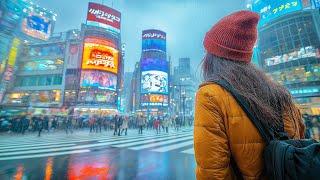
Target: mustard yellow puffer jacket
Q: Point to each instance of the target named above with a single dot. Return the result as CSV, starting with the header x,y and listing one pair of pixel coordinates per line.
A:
x,y
222,128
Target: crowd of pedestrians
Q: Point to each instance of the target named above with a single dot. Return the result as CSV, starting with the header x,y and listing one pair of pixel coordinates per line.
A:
x,y
312,124
119,124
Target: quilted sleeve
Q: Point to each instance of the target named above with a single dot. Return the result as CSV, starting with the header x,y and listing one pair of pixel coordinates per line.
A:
x,y
210,140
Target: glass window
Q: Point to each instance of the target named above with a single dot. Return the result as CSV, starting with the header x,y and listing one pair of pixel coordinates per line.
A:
x,y
41,80
57,80
48,80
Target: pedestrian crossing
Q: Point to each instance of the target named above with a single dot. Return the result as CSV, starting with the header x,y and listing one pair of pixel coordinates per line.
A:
x,y
25,147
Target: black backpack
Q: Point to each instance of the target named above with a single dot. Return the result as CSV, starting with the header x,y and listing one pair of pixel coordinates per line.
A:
x,y
284,158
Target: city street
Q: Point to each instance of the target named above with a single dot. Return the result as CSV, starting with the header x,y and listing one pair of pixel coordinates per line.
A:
x,y
84,155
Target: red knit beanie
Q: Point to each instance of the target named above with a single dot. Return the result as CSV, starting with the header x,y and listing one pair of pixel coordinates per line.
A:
x,y
233,37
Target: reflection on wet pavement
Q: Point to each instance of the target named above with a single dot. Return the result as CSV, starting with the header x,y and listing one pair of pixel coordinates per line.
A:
x,y
111,163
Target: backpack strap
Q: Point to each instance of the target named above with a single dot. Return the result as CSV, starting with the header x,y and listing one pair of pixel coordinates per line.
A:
x,y
265,132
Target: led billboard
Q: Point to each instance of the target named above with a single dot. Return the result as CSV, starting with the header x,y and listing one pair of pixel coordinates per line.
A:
x,y
103,16
271,9
37,26
100,54
153,40
42,65
47,50
98,79
97,97
154,82
154,100
148,64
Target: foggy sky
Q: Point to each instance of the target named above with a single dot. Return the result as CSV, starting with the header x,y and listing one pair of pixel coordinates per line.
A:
x,y
184,21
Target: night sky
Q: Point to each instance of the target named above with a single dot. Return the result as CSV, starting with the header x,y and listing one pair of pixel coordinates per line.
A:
x,y
184,21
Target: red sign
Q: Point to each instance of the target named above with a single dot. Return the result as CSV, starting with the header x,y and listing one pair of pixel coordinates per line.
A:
x,y
103,14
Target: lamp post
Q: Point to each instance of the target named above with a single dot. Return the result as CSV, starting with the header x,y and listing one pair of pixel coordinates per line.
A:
x,y
183,106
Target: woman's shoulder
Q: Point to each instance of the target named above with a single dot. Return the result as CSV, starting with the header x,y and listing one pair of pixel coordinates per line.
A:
x,y
211,89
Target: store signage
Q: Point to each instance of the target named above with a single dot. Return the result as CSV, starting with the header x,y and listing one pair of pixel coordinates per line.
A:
x,y
270,9
104,15
13,52
153,34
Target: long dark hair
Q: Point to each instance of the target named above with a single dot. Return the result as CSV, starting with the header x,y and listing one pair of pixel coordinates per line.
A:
x,y
269,101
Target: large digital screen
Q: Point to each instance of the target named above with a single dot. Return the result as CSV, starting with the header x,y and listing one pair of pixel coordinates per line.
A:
x,y
42,65
47,50
271,9
103,16
97,97
153,40
98,79
154,82
148,64
37,26
100,54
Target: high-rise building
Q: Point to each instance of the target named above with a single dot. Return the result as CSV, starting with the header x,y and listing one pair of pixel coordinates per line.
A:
x,y
154,74
42,79
184,89
289,48
102,65
184,66
21,22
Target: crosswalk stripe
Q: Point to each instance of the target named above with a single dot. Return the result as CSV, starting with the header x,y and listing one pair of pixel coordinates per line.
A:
x,y
16,148
173,147
188,151
73,140
30,138
155,135
148,141
160,143
73,147
105,138
44,155
36,147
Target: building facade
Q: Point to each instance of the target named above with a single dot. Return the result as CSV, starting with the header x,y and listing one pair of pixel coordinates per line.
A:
x,y
184,88
21,21
151,76
101,62
289,49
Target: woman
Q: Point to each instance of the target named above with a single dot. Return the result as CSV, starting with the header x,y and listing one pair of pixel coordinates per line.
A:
x,y
125,125
222,129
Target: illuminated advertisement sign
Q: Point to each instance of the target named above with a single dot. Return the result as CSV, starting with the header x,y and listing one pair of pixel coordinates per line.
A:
x,y
294,55
317,3
37,26
153,40
47,50
148,64
271,9
13,52
154,100
154,82
103,16
153,34
100,55
8,73
98,79
97,97
42,65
